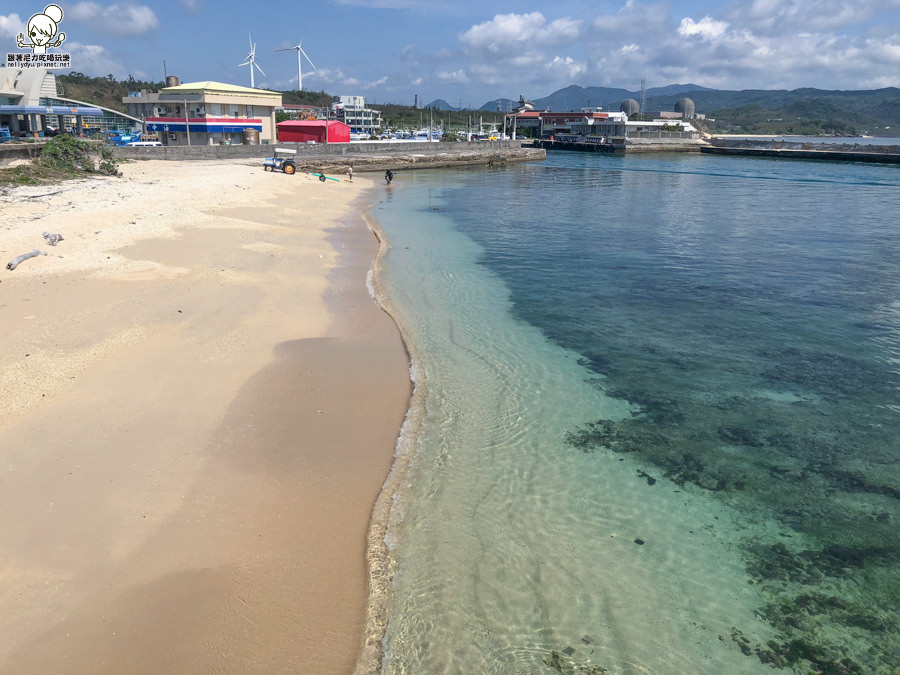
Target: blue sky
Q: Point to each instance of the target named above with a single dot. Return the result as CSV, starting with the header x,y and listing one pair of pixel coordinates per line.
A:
x,y
470,51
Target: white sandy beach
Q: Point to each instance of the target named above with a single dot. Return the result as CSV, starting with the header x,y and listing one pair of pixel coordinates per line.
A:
x,y
198,407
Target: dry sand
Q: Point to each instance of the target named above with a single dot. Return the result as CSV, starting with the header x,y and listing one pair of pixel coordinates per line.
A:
x,y
198,406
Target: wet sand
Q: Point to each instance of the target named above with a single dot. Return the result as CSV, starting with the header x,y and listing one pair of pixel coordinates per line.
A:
x,y
198,407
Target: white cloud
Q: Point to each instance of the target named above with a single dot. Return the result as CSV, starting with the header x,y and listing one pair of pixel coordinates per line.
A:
x,y
707,28
566,67
458,76
819,43
11,26
192,6
95,61
520,50
488,74
511,32
640,21
777,17
337,77
122,19
886,52
325,75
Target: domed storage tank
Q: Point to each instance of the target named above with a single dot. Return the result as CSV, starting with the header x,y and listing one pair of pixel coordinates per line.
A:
x,y
630,107
250,137
685,106
171,81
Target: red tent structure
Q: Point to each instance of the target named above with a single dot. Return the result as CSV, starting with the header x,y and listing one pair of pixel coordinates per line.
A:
x,y
304,131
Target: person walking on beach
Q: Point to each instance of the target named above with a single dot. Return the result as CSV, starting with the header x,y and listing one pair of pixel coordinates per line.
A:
x,y
389,176
350,172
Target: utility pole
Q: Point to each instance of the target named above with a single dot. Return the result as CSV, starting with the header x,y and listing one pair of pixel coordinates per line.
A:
x,y
187,122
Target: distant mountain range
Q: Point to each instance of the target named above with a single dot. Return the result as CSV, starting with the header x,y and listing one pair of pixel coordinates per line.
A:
x,y
574,98
807,110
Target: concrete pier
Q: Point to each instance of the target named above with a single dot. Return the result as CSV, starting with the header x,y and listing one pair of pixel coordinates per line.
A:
x,y
809,154
646,143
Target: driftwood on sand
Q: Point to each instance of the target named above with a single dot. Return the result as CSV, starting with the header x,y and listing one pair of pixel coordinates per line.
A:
x,y
12,264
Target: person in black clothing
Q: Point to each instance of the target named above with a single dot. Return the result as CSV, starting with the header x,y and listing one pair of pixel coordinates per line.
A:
x,y
389,176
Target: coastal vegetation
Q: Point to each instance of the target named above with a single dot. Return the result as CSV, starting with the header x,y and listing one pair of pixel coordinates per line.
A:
x,y
63,157
320,99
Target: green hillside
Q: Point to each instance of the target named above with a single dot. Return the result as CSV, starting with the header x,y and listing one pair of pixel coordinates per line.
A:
x,y
102,91
801,111
109,92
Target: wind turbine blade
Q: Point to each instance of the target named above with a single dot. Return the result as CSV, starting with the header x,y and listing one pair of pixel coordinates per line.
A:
x,y
258,68
245,63
307,58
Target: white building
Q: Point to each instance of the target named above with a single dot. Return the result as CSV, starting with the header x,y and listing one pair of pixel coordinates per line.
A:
x,y
352,111
617,126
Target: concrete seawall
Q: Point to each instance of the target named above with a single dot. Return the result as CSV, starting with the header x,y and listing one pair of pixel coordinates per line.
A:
x,y
12,152
827,155
629,145
363,156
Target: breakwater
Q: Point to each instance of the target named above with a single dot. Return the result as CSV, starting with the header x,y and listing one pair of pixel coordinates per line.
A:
x,y
363,156
780,149
639,142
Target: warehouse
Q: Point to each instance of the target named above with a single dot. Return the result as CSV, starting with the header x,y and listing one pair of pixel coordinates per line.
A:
x,y
313,131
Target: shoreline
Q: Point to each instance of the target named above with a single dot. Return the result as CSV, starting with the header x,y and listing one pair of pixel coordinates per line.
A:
x,y
380,563
199,393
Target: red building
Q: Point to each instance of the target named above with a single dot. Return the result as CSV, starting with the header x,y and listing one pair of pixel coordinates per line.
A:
x,y
304,131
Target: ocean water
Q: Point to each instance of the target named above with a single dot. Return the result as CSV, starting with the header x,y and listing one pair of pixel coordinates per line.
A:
x,y
658,423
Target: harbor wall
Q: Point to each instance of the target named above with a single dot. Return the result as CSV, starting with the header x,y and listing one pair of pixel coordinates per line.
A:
x,y
368,156
627,145
350,152
11,152
657,144
785,149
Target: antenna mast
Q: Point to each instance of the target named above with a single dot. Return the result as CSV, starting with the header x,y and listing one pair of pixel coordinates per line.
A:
x,y
643,96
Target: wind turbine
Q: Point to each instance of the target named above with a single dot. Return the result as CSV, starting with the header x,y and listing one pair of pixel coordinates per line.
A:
x,y
300,55
251,61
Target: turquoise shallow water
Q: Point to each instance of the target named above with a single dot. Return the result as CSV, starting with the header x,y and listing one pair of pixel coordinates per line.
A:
x,y
660,430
